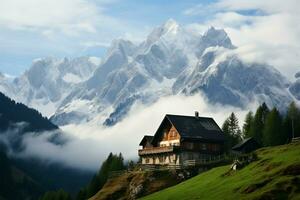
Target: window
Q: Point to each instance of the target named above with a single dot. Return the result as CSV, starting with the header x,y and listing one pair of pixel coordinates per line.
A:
x,y
203,146
147,160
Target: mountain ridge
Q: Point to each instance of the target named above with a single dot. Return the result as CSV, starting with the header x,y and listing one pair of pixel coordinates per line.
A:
x,y
170,61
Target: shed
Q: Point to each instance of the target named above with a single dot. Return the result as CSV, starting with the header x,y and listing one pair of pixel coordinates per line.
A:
x,y
246,146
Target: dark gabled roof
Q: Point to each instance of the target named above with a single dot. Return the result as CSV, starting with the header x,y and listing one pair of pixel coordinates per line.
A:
x,y
145,139
243,143
191,127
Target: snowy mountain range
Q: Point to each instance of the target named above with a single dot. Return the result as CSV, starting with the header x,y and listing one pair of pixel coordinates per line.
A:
x,y
171,61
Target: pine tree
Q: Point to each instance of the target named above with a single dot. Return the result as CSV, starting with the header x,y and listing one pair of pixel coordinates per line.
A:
x,y
272,133
231,131
258,123
247,125
234,127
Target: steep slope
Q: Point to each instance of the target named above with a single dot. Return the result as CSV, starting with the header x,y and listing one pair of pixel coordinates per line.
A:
x,y
275,175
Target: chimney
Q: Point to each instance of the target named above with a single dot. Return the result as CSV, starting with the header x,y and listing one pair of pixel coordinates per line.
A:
x,y
196,114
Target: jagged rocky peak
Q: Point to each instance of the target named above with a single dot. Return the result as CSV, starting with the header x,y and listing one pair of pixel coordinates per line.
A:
x,y
218,35
124,46
214,37
38,71
169,27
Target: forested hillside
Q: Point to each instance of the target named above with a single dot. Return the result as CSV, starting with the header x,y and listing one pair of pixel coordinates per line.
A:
x,y
28,178
12,113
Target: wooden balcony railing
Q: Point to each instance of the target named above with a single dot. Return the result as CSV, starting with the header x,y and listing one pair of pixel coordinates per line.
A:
x,y
155,150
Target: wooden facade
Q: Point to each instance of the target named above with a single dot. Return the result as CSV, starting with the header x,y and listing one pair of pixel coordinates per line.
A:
x,y
170,146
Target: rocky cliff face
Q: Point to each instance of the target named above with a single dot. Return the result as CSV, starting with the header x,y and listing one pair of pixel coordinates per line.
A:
x,y
136,184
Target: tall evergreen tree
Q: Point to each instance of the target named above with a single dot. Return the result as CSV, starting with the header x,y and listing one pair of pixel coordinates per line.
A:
x,y
272,133
232,131
258,123
247,125
234,127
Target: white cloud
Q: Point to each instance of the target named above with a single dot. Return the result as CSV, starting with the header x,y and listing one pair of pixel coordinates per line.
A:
x,y
271,35
91,143
32,14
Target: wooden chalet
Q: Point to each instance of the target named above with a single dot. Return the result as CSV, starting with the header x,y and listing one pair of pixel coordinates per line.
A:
x,y
182,138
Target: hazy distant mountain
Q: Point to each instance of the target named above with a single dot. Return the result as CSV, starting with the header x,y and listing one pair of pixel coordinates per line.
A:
x,y
171,60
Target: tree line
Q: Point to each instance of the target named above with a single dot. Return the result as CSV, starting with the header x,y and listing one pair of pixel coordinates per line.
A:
x,y
267,126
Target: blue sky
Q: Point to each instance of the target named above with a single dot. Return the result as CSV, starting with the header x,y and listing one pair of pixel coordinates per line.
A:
x,y
31,29
19,47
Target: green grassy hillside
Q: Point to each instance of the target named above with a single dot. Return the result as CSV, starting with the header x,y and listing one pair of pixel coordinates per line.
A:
x,y
275,175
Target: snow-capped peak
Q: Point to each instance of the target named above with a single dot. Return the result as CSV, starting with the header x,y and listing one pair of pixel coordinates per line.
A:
x,y
121,45
170,27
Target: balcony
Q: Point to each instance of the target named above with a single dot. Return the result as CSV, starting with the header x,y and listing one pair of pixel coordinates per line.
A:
x,y
156,150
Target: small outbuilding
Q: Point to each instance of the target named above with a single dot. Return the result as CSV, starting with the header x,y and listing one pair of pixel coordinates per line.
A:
x,y
246,146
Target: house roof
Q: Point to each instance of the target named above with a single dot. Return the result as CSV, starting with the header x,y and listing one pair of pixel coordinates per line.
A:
x,y
191,127
244,142
145,139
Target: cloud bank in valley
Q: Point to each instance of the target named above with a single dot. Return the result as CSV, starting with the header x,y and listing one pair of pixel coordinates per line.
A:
x,y
89,144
